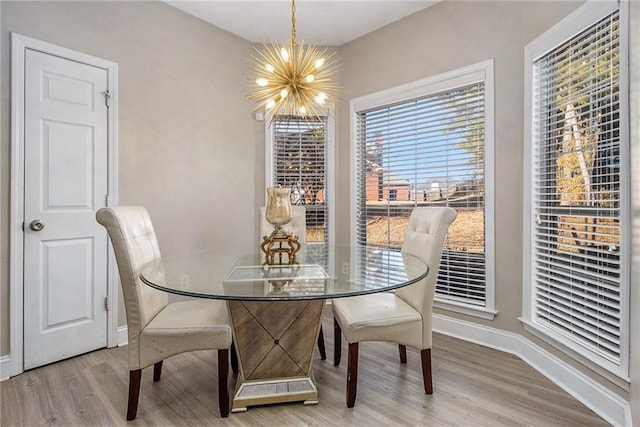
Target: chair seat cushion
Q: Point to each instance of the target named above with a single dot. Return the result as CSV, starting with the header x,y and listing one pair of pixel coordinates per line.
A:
x,y
378,317
185,326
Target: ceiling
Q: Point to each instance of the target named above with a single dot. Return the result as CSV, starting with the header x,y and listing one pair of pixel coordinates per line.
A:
x,y
329,23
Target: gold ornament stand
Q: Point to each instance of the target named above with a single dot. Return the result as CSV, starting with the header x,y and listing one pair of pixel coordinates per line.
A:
x,y
275,248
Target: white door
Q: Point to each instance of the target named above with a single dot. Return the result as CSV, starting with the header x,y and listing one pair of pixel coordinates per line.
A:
x,y
65,249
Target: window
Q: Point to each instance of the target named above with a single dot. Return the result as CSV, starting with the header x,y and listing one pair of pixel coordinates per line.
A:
x,y
430,143
576,280
298,152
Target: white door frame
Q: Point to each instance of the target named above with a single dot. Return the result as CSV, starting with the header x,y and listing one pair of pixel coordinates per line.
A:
x,y
19,44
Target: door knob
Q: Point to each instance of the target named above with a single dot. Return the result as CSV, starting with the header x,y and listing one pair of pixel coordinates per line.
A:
x,y
36,225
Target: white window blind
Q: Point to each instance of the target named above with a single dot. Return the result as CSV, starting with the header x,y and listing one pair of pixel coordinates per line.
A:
x,y
300,162
426,151
576,197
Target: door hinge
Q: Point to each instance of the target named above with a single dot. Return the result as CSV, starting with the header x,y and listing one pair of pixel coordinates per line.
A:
x,y
107,97
106,200
22,225
106,303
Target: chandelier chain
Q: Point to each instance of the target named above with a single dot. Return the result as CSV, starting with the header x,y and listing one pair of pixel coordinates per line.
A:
x,y
293,23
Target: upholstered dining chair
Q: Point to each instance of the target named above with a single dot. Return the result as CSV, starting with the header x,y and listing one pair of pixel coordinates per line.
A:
x,y
297,226
403,317
157,329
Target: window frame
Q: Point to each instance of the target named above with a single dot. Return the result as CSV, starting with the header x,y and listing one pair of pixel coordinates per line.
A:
x,y
329,196
482,71
572,25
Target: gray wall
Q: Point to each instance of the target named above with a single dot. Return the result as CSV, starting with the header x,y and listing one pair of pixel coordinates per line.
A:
x,y
187,138
444,37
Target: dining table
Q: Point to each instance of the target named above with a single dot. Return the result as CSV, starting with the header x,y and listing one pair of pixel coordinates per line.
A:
x,y
276,311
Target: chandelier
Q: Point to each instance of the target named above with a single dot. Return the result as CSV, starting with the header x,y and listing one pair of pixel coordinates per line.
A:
x,y
292,79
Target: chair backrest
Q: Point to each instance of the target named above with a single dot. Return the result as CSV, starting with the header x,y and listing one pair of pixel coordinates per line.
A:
x,y
424,239
134,243
297,226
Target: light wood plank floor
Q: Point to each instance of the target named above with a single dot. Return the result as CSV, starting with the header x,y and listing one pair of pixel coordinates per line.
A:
x,y
473,386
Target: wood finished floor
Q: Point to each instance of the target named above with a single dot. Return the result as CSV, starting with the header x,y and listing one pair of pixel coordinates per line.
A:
x,y
473,386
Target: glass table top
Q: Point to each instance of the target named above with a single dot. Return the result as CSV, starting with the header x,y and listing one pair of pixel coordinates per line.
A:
x,y
248,278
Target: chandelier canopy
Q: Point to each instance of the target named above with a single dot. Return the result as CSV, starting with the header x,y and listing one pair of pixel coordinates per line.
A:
x,y
293,80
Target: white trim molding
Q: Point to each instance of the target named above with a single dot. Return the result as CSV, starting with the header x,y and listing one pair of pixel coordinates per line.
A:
x,y
611,407
5,365
480,312
123,336
13,364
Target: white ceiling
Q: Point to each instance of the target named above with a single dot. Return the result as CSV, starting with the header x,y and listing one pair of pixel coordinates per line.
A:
x,y
329,23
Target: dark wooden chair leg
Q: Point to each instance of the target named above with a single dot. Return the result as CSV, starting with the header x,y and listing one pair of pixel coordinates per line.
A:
x,y
157,371
352,375
234,359
403,353
323,352
425,355
337,343
223,388
134,392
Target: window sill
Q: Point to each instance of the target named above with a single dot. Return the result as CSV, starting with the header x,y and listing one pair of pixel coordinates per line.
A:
x,y
480,312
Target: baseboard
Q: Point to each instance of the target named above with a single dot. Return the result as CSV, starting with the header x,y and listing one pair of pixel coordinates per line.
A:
x,y
7,370
122,336
603,402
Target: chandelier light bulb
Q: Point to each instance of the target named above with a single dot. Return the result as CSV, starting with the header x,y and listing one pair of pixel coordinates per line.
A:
x,y
284,93
319,63
270,68
310,78
270,104
302,110
319,99
262,82
284,54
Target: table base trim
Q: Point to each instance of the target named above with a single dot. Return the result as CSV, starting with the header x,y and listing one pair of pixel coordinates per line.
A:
x,y
282,390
